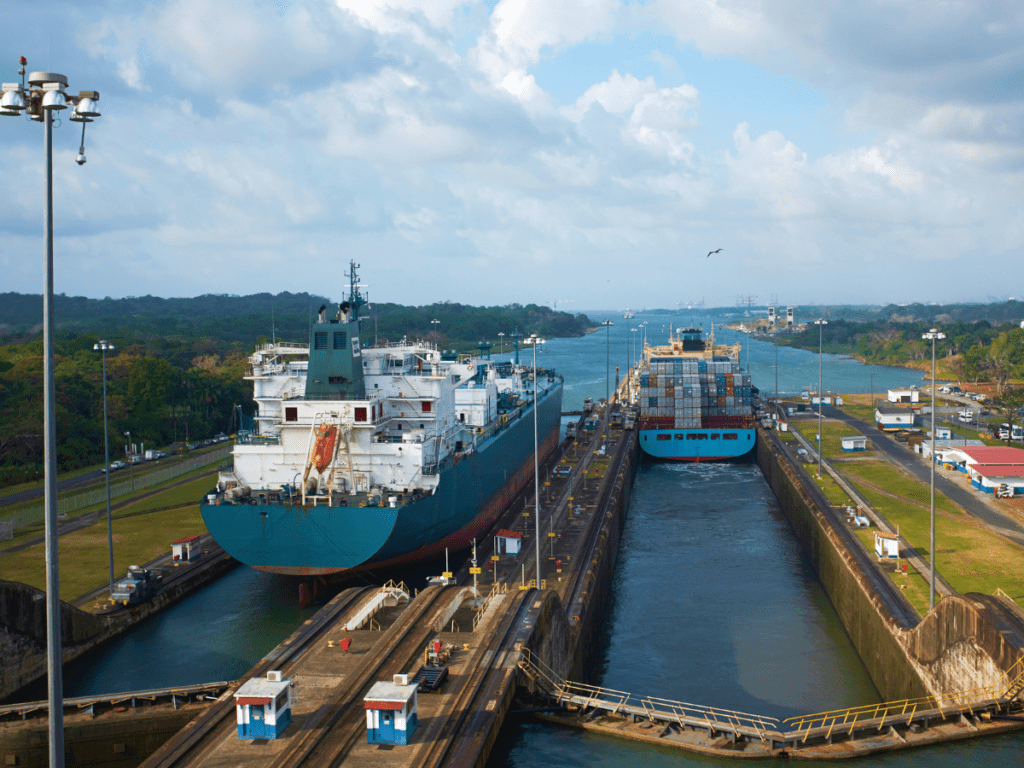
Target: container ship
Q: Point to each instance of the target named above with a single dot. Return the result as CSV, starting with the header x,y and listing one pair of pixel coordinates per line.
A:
x,y
695,403
371,458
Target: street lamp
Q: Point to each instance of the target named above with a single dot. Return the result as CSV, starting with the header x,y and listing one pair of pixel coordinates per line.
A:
x,y
436,334
819,323
608,357
103,346
501,341
934,335
44,95
534,341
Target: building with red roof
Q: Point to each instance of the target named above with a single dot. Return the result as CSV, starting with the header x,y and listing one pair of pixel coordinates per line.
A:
x,y
989,467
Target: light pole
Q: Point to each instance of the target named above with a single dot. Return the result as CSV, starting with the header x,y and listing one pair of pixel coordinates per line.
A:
x,y
437,335
631,337
934,335
501,341
535,341
607,358
820,322
103,346
44,95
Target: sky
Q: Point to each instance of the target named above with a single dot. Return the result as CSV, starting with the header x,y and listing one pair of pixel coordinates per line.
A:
x,y
588,153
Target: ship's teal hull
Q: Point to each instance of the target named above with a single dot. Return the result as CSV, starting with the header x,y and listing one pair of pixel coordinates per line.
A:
x,y
471,494
696,444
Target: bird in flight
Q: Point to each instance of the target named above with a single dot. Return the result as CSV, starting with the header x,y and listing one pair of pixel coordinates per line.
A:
x,y
710,252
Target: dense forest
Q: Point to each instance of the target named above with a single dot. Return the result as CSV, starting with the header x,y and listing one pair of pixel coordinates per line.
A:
x,y
177,366
971,351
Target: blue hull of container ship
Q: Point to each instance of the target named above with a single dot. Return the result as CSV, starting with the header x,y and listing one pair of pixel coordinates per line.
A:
x,y
688,445
472,493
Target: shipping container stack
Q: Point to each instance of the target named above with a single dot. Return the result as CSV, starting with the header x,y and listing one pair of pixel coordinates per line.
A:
x,y
690,393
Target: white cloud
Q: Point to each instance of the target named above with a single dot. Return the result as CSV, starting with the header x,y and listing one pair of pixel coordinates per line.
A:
x,y
617,94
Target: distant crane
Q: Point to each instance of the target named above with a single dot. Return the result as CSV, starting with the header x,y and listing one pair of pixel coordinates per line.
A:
x,y
555,302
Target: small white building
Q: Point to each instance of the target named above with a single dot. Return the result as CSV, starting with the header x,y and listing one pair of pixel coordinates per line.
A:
x,y
891,417
907,395
509,542
182,549
855,443
391,711
887,545
264,707
943,433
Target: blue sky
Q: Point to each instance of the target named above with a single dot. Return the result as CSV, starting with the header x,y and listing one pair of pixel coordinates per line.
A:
x,y
591,152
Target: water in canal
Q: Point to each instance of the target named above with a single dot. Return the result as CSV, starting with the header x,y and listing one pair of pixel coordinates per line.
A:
x,y
713,602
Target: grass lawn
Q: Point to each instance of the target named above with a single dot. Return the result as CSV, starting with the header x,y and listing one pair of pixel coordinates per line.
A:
x,y
84,556
832,432
862,412
969,556
829,487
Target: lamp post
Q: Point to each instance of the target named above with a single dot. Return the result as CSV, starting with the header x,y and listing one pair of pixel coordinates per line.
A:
x,y
44,95
436,334
820,322
103,346
501,341
535,341
934,335
608,358
631,337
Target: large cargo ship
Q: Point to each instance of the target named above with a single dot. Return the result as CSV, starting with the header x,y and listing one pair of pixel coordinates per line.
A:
x,y
375,457
695,403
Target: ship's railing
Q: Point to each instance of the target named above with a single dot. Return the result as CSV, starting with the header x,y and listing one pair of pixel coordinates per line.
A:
x,y
251,439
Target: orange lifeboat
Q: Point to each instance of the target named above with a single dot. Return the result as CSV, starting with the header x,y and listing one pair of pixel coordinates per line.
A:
x,y
323,451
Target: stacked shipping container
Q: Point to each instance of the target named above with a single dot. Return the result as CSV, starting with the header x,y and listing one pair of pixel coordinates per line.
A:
x,y
690,393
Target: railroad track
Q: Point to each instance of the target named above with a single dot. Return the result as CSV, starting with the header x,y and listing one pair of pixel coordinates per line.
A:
x,y
201,736
476,703
335,728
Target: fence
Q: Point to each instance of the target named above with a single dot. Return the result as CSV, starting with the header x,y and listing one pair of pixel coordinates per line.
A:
x,y
68,504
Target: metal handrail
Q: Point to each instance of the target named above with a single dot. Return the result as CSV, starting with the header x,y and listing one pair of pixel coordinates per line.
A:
x,y
905,710
769,728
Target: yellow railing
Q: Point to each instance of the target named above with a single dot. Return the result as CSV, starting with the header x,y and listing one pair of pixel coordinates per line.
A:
x,y
823,724
890,712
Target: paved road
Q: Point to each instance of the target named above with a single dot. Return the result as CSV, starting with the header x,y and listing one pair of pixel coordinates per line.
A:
x,y
968,500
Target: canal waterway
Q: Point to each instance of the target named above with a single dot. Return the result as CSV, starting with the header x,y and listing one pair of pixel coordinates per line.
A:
x,y
713,602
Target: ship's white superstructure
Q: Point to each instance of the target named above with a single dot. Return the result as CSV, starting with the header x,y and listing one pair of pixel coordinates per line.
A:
x,y
420,409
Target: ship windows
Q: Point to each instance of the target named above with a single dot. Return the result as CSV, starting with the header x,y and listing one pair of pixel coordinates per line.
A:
x,y
715,436
730,436
664,437
360,413
291,414
320,340
680,436
427,405
691,436
340,339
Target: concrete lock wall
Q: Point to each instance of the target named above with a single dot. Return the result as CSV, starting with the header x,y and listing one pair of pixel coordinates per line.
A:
x,y
586,617
966,642
870,625
23,609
